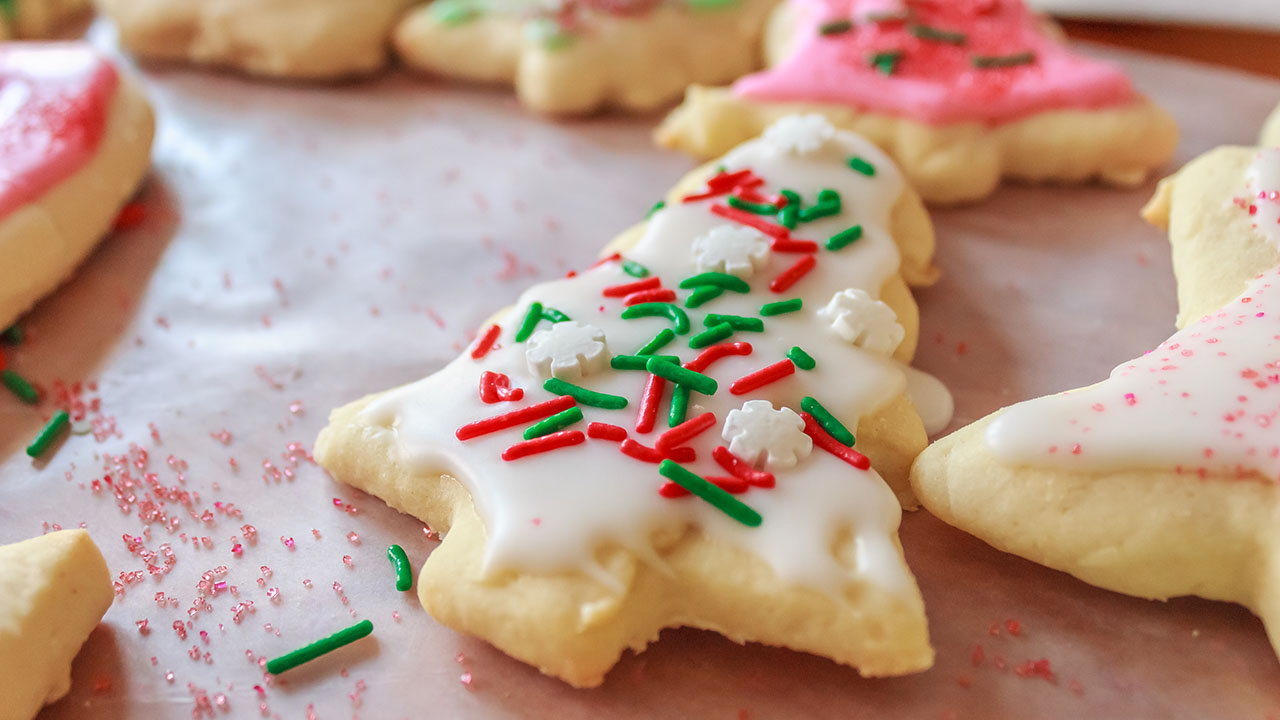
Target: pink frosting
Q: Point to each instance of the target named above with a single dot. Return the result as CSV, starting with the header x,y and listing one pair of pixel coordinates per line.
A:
x,y
54,100
935,82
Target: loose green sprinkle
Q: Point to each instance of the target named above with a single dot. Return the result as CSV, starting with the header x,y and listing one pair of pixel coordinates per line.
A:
x,y
681,376
634,269
656,207
55,427
716,279
679,405
530,321
1004,61
834,427
801,359
659,341
844,238
554,315
455,12
400,563
789,216
14,334
886,62
781,307
557,422
710,336
19,386
756,208
639,362
862,166
928,32
704,294
584,396
672,312
717,498
828,204
737,322
835,27
320,647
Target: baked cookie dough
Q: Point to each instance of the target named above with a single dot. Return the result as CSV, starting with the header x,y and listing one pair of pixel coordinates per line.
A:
x,y
304,39
1161,480
53,591
36,19
72,151
1271,130
961,94
683,359
569,58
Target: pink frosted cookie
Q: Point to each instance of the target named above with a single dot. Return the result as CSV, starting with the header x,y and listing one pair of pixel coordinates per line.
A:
x,y
74,144
961,93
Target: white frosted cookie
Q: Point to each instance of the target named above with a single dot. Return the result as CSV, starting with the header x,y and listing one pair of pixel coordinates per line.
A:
x,y
72,150
35,19
53,591
567,57
682,359
306,39
961,94
1160,480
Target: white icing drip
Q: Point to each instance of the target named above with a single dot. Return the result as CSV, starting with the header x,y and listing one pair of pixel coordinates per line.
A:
x,y
732,249
1206,401
767,437
1264,194
864,321
931,399
568,350
550,512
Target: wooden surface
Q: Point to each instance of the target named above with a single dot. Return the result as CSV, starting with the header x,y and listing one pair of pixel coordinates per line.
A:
x,y
1257,52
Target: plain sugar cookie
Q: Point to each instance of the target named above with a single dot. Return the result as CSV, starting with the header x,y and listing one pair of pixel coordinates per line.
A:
x,y
36,19
71,153
1271,130
684,433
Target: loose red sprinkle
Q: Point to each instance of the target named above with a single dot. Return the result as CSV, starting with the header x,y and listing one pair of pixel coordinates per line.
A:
x,y
731,485
496,387
655,295
131,216
546,443
739,468
515,417
485,343
684,432
626,289
763,376
715,352
647,414
741,216
833,446
792,275
644,453
793,245
606,431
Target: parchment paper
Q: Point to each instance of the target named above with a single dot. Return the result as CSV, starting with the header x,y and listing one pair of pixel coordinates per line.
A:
x,y
306,245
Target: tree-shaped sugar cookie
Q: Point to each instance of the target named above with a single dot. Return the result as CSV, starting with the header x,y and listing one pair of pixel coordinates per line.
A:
x,y
578,56
961,93
684,433
1162,479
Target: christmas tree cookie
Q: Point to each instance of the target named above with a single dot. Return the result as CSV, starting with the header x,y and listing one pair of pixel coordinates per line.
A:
x,y
570,57
53,591
961,94
1161,480
687,433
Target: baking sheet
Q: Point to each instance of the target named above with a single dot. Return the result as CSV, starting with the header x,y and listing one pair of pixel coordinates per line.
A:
x,y
306,245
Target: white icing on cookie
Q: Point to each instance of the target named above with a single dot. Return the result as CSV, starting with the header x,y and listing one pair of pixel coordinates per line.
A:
x,y
550,512
732,249
864,321
1264,194
800,134
568,350
767,437
931,399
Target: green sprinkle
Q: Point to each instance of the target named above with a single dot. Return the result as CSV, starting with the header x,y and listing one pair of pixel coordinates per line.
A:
x,y
52,429
834,427
19,386
530,321
704,294
716,279
844,237
886,62
554,315
639,362
634,269
756,208
320,647
711,336
548,33
717,498
789,216
801,359
679,405
455,12
835,27
681,376
862,166
710,4
659,341
928,32
659,309
737,322
584,396
1003,61
828,204
781,307
656,207
400,563
14,334
559,421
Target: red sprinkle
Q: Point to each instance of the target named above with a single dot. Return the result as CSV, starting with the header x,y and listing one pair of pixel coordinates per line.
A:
x,y
731,485
793,245
515,417
485,343
496,387
763,376
647,415
792,275
644,453
546,443
131,216
715,352
606,431
739,468
626,289
608,258
833,446
4,361
724,183
684,432
655,295
741,216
